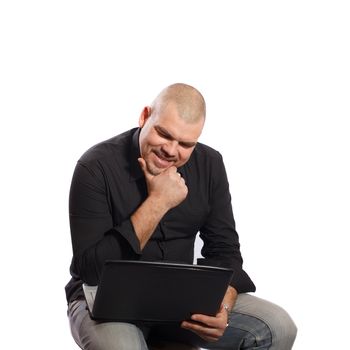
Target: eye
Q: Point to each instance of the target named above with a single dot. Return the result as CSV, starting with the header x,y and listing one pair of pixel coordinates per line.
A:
x,y
185,145
166,136
163,134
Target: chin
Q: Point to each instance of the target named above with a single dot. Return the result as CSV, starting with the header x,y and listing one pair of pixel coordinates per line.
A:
x,y
152,169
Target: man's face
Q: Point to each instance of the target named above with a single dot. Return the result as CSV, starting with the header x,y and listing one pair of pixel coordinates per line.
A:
x,y
166,139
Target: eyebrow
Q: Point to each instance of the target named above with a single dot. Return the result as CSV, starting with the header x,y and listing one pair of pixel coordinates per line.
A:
x,y
166,133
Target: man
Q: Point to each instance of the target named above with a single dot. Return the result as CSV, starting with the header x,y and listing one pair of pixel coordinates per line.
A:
x,y
144,195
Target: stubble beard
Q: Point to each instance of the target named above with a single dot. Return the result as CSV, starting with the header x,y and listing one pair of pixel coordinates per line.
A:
x,y
153,170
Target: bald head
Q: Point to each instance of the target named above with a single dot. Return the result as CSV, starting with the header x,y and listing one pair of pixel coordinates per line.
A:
x,y
187,100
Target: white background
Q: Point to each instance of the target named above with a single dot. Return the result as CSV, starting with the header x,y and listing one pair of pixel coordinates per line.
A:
x,y
275,75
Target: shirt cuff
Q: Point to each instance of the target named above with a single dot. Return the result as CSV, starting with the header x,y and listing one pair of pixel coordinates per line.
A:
x,y
126,230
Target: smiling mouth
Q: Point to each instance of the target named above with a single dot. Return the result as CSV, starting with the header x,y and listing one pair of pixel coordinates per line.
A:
x,y
163,162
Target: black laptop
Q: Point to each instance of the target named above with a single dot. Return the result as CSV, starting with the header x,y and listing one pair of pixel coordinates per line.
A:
x,y
132,291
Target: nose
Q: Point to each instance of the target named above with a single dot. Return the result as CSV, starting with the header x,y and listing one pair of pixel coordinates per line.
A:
x,y
170,148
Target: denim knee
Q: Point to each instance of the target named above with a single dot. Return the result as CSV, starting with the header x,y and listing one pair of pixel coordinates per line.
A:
x,y
284,331
280,324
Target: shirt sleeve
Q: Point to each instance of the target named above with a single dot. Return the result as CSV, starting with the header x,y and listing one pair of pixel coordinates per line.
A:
x,y
221,242
95,237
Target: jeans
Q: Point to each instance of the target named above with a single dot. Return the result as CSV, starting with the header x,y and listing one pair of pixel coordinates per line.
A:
x,y
254,323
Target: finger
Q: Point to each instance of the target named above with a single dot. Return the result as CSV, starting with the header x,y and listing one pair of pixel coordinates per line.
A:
x,y
210,334
143,166
211,339
172,169
210,325
207,320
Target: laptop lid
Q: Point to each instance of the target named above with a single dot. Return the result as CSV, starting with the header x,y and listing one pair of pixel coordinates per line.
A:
x,y
132,291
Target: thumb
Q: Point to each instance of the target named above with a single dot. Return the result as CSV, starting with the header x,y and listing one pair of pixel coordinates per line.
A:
x,y
143,166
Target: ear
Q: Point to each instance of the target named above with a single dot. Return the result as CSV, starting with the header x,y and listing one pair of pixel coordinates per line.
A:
x,y
145,114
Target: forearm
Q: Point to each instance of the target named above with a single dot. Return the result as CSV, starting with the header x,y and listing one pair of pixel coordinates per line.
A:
x,y
230,298
146,218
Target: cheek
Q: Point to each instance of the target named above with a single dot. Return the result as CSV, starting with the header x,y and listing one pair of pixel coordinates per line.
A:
x,y
184,155
154,140
148,143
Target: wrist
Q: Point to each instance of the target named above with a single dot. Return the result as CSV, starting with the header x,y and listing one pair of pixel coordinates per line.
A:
x,y
228,311
227,308
157,204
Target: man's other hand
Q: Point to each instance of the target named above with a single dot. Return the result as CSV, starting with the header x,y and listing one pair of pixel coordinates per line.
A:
x,y
210,328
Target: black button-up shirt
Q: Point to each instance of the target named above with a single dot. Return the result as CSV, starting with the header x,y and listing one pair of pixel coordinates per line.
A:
x,y
108,186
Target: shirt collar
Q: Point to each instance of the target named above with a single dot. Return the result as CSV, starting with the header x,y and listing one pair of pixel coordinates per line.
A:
x,y
135,169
